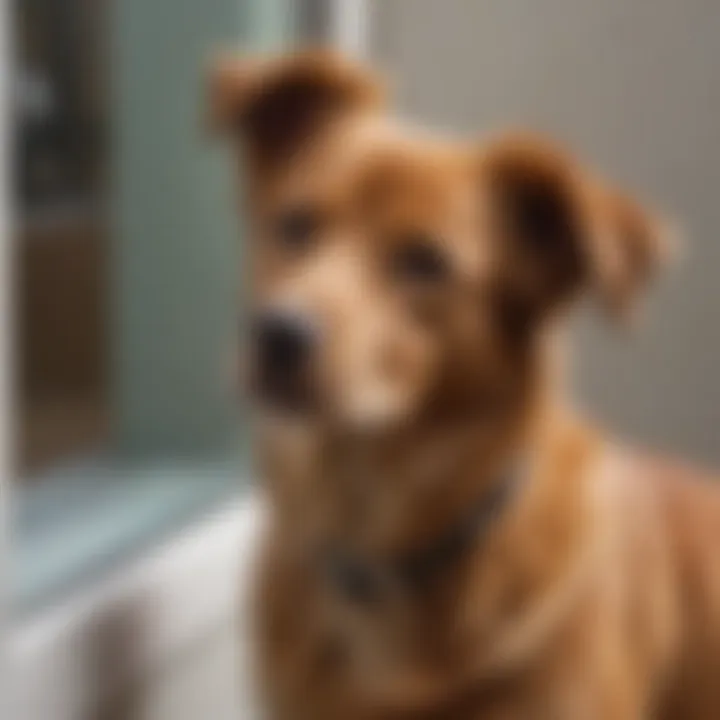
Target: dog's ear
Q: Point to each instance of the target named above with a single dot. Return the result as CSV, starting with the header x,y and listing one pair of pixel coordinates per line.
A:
x,y
275,105
629,245
560,231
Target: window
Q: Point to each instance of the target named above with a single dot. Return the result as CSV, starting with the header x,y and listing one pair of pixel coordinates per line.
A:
x,y
60,181
127,248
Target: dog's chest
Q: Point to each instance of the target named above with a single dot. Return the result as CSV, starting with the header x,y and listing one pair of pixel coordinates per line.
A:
x,y
327,654
355,664
362,641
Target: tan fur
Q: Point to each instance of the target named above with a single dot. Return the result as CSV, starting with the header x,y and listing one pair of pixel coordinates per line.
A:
x,y
596,593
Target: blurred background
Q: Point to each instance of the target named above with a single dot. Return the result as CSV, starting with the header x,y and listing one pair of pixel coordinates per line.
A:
x,y
133,514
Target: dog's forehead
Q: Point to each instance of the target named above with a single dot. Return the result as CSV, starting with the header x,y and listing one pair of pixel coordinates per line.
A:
x,y
394,165
393,177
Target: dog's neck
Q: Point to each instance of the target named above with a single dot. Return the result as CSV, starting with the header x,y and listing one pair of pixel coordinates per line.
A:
x,y
388,494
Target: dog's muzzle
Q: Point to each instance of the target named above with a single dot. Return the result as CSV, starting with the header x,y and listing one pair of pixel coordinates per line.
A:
x,y
285,344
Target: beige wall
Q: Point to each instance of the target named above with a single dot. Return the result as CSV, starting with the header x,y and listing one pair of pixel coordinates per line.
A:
x,y
633,85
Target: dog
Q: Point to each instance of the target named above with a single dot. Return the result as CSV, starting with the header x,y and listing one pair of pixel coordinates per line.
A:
x,y
449,537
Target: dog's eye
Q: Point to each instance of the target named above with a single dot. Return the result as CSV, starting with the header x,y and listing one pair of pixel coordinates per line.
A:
x,y
419,259
296,228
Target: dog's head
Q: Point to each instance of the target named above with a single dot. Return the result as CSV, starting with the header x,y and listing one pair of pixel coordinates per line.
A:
x,y
397,274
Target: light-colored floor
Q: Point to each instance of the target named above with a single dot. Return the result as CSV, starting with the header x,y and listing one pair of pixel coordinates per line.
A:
x,y
206,684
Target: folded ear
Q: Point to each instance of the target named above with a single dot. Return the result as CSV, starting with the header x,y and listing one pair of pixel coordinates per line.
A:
x,y
561,231
631,243
276,104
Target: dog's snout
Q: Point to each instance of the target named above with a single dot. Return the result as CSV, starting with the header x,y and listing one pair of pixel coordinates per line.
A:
x,y
284,341
284,345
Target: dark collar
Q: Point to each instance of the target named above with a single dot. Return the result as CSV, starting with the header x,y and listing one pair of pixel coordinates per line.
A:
x,y
366,581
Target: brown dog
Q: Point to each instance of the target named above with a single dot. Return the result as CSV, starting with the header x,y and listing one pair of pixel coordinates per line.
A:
x,y
448,539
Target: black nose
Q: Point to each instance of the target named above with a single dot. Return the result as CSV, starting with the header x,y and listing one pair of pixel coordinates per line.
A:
x,y
284,342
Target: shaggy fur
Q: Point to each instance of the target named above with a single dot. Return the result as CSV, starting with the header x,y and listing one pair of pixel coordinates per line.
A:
x,y
438,275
